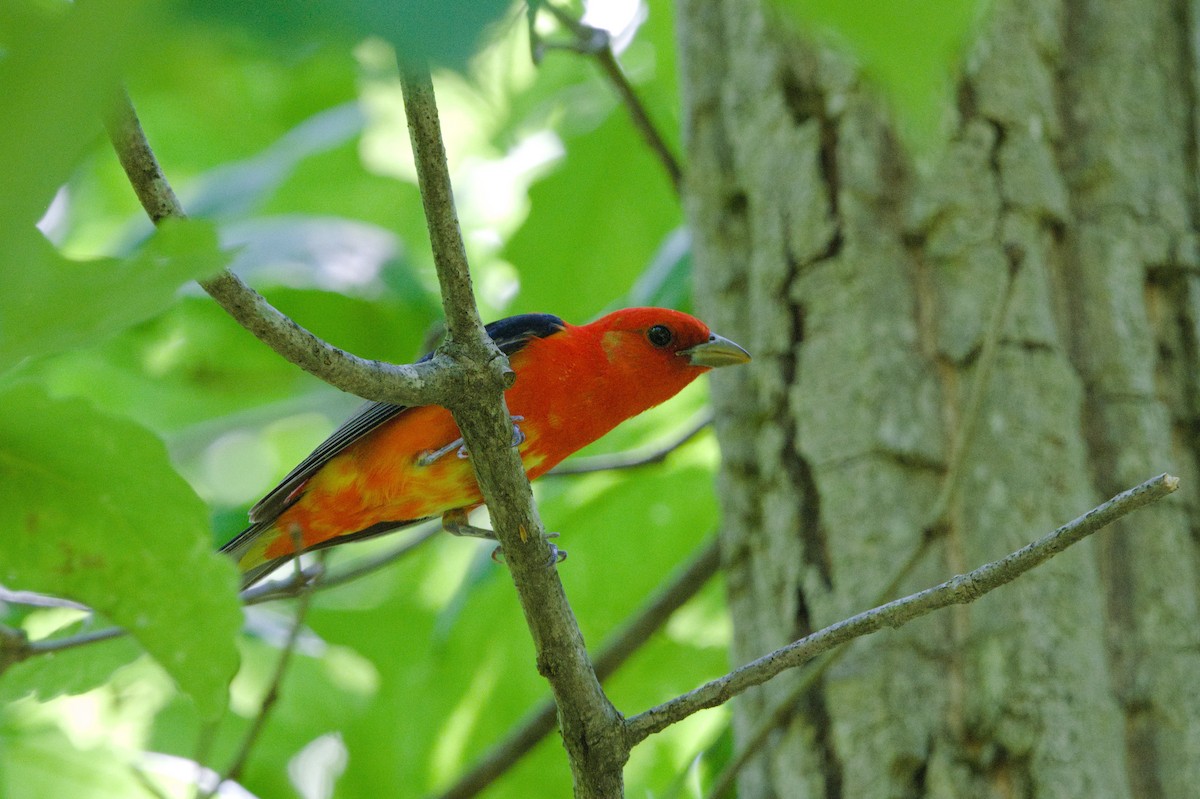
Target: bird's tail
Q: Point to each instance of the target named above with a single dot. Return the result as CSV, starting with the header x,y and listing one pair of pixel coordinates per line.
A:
x,y
249,551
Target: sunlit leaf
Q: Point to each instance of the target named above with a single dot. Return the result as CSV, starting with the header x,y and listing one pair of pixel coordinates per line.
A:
x,y
59,70
39,760
93,511
51,303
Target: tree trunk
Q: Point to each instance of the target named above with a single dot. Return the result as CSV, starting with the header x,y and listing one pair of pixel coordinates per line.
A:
x,y
864,281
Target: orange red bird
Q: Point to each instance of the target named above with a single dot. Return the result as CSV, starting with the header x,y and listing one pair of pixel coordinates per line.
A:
x,y
389,466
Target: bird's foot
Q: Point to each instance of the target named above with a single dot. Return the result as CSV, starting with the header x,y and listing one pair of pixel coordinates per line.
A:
x,y
454,522
556,555
430,457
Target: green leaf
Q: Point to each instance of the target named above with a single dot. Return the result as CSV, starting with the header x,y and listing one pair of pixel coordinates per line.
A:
x,y
51,303
41,761
187,366
92,510
59,66
71,671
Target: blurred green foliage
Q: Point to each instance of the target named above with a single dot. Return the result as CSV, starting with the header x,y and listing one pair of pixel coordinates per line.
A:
x,y
290,148
80,486
446,32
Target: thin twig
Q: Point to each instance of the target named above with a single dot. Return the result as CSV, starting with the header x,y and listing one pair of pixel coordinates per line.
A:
x,y
464,327
592,729
234,772
35,600
633,458
624,643
783,710
974,407
641,118
318,579
416,384
147,782
206,739
16,647
959,590
47,646
595,43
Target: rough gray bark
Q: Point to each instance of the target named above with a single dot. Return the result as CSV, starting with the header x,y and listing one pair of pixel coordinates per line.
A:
x,y
863,283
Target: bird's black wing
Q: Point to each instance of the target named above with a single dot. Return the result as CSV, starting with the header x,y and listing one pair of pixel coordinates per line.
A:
x,y
510,335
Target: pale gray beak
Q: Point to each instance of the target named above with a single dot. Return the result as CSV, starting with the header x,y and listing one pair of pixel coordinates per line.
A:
x,y
716,352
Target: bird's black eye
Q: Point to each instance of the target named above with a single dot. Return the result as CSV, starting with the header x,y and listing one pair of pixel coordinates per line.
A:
x,y
660,335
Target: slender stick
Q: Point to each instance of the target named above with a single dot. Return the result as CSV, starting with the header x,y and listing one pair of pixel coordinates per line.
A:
x,y
417,384
629,639
595,43
973,411
592,729
935,528
959,590
234,773
641,118
16,647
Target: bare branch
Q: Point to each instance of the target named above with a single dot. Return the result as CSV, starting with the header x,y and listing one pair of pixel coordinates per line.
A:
x,y
234,772
592,729
48,646
781,711
408,384
146,177
36,600
418,384
974,407
147,782
641,118
629,639
959,590
316,578
595,43
629,460
16,647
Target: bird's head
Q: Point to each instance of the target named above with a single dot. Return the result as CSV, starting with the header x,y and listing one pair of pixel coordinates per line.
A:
x,y
670,337
663,347
584,380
